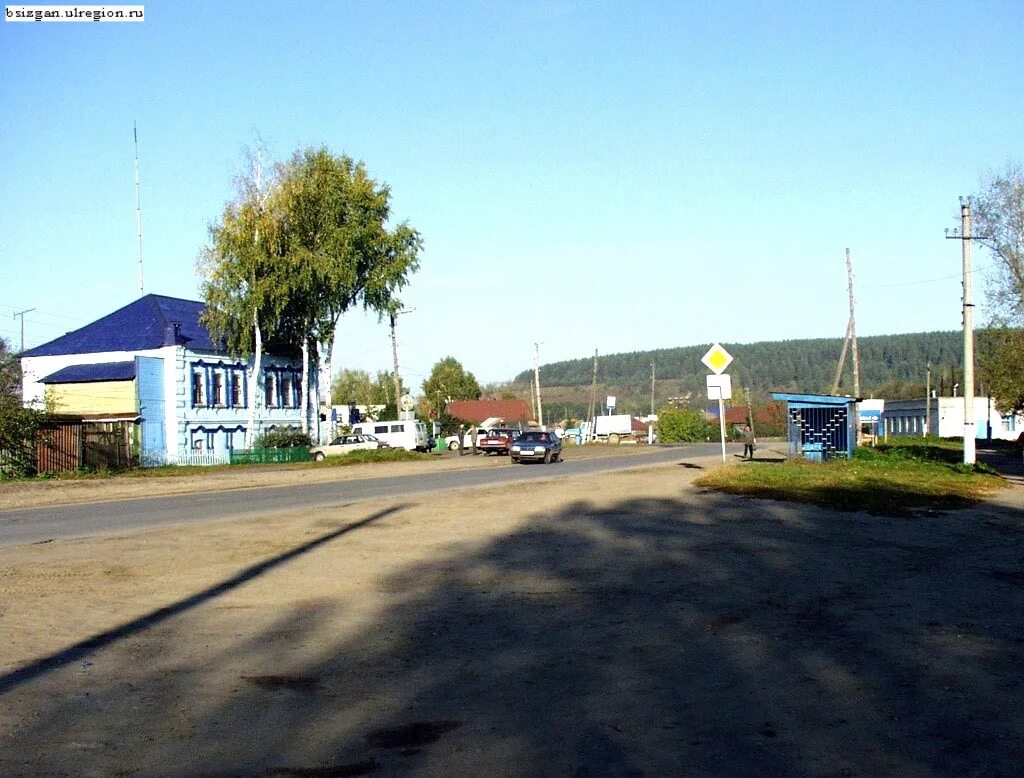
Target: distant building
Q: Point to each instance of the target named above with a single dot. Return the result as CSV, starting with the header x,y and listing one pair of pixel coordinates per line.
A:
x,y
903,418
152,369
475,411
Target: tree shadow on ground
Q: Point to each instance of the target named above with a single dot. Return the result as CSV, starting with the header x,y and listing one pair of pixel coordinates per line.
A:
x,y
651,637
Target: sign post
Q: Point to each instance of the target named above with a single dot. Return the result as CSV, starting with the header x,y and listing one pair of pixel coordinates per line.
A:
x,y
717,360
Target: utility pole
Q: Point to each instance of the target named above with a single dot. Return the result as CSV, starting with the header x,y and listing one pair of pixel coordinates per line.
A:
x,y
969,432
22,315
965,239
652,388
394,353
851,337
593,395
842,360
750,408
853,328
536,379
927,398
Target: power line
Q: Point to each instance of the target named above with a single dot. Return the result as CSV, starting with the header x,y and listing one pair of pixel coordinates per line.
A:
x,y
911,283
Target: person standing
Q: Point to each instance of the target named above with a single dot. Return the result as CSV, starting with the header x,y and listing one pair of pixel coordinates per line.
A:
x,y
748,442
462,440
472,438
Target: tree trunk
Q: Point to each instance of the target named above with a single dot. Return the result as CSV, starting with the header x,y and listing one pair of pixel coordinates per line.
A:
x,y
254,393
324,380
304,402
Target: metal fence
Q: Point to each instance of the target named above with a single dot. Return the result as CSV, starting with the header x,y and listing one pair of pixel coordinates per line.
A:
x,y
254,456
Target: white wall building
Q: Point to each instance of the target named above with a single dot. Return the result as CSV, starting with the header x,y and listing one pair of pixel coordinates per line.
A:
x,y
907,418
153,364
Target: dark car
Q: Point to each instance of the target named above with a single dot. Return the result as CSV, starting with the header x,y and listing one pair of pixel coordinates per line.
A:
x,y
498,441
537,446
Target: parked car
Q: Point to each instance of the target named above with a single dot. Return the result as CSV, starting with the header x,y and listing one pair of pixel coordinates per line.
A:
x,y
344,444
537,446
452,441
498,441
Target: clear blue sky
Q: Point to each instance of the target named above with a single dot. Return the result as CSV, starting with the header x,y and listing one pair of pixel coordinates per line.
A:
x,y
647,175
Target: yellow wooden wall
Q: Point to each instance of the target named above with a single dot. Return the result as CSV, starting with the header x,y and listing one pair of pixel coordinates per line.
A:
x,y
97,397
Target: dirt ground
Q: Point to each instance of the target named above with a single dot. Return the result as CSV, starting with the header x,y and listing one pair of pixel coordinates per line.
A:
x,y
620,624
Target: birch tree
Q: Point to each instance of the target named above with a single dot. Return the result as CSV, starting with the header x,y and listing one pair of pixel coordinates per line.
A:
x,y
998,213
293,253
339,247
241,274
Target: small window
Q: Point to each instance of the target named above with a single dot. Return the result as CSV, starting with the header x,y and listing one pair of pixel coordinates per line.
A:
x,y
198,386
271,390
236,390
381,430
229,440
398,428
210,441
219,395
288,401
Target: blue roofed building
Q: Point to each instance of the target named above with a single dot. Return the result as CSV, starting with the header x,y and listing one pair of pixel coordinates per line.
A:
x,y
153,368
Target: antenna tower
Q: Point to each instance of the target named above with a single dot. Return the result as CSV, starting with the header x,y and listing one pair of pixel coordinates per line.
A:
x,y
138,204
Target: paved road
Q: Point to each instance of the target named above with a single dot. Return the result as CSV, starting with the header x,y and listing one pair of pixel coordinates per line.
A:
x,y
37,525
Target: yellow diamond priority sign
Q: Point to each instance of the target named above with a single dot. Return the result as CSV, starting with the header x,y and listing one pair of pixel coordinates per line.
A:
x,y
717,359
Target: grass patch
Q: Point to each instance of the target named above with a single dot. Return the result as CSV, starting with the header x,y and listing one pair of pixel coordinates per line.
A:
x,y
894,479
375,455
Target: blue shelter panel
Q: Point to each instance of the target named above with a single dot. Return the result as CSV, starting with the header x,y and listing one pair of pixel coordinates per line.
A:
x,y
820,426
150,377
822,432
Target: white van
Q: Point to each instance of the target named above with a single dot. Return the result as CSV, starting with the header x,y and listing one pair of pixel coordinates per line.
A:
x,y
407,433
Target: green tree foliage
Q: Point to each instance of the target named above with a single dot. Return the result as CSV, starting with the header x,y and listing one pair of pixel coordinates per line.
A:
x,y
18,424
682,425
998,217
357,387
296,250
448,381
1001,367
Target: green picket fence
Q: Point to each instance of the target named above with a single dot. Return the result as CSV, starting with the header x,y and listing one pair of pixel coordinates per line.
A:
x,y
261,456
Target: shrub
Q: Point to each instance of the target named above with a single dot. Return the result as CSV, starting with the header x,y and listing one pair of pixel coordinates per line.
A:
x,y
287,437
682,425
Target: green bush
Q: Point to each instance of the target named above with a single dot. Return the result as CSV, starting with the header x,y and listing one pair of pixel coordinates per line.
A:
x,y
682,425
287,437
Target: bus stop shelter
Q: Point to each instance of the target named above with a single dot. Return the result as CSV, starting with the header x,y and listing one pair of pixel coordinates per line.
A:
x,y
820,426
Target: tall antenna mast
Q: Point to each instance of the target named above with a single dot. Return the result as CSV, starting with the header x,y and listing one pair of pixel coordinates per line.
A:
x,y
138,203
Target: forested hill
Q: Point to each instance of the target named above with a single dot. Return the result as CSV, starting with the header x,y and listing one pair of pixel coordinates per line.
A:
x,y
790,365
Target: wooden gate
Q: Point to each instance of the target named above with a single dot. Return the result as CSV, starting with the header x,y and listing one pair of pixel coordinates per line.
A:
x,y
69,445
59,447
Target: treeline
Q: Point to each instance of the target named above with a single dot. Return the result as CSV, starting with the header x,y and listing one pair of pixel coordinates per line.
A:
x,y
891,366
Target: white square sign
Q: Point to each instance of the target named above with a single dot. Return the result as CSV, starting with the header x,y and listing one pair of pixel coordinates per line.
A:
x,y
720,387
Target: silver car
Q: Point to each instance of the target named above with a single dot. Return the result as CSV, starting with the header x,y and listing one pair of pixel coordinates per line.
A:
x,y
344,444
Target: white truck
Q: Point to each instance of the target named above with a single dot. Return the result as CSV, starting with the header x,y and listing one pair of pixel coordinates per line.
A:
x,y
397,433
613,428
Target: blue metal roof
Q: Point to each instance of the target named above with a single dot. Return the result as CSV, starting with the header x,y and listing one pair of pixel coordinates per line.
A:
x,y
147,323
102,371
814,399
